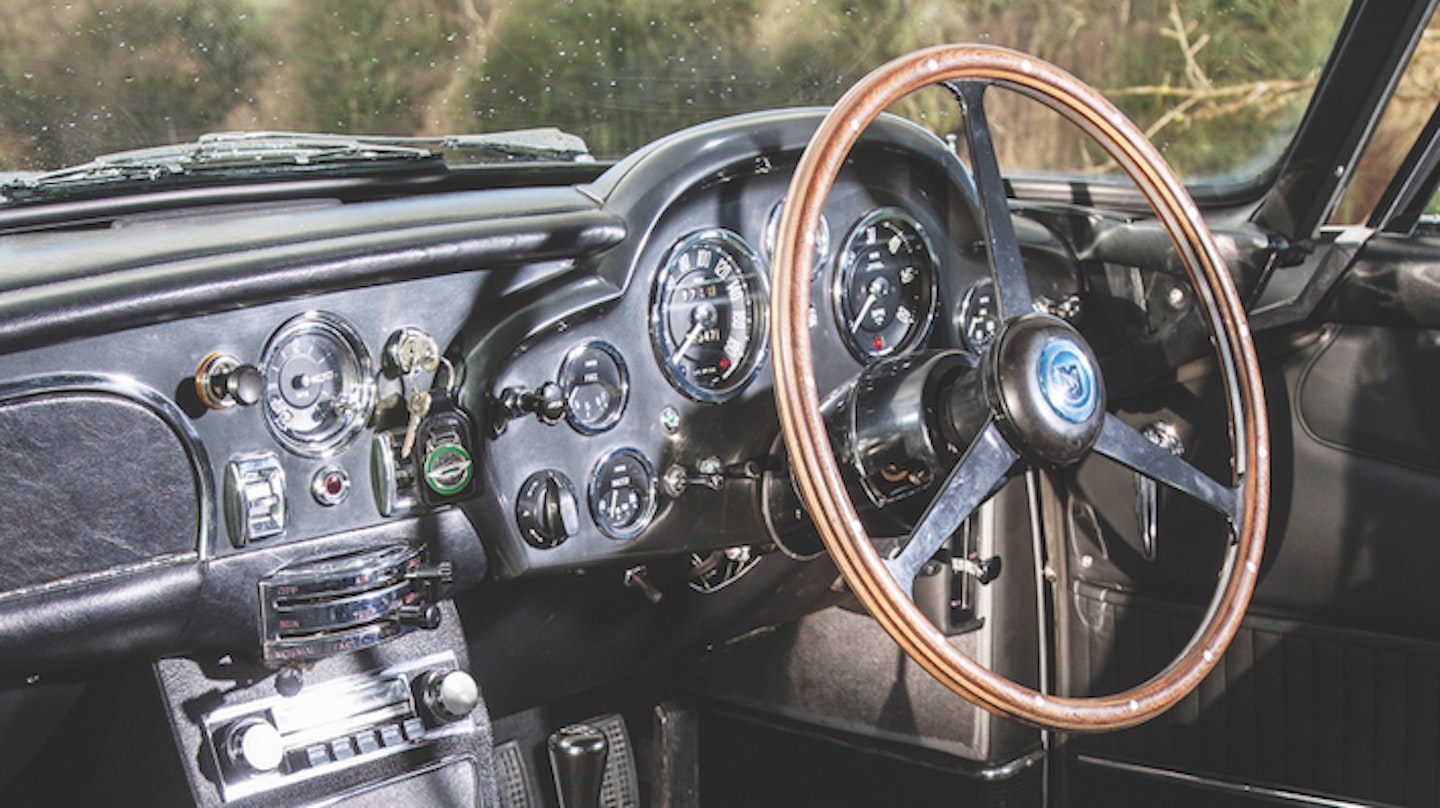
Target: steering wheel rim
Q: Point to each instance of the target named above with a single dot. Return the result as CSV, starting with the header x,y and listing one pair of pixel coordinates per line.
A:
x,y
967,70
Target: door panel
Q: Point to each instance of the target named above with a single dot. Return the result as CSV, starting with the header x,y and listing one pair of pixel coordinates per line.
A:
x,y
1332,687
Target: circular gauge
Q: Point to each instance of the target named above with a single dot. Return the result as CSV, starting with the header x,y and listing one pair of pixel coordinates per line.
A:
x,y
885,287
979,316
318,388
708,315
822,239
595,385
622,494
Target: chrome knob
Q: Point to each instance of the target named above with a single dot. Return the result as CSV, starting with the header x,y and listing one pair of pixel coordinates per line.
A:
x,y
255,746
449,695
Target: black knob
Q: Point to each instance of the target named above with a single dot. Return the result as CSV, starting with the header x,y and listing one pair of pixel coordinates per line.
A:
x,y
546,509
222,381
577,756
427,617
547,403
245,385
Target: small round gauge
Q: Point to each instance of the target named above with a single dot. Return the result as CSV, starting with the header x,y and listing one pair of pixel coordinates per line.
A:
x,y
885,287
822,239
622,494
708,315
318,387
595,385
979,316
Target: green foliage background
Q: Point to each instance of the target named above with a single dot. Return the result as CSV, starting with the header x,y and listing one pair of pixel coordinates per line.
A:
x,y
1215,80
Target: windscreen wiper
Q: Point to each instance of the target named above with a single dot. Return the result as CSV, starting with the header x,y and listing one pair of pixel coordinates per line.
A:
x,y
224,156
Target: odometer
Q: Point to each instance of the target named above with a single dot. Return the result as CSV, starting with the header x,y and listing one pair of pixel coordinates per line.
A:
x,y
708,315
885,287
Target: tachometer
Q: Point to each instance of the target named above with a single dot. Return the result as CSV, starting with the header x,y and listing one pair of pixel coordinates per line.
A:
x,y
708,314
318,388
885,287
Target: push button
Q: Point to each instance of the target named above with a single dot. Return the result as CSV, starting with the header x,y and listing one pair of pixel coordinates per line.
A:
x,y
342,749
366,742
317,755
390,735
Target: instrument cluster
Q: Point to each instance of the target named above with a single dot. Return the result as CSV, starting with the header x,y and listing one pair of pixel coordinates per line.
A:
x,y
672,429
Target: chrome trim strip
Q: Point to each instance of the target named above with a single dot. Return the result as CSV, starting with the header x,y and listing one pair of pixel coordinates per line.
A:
x,y
107,574
153,400
1296,797
415,771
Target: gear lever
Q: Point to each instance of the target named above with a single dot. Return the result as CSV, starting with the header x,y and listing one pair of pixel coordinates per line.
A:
x,y
577,756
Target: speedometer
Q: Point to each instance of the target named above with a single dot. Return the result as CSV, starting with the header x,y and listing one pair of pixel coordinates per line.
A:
x,y
708,314
318,391
885,286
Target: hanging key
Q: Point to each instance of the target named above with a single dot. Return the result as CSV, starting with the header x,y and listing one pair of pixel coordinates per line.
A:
x,y
418,403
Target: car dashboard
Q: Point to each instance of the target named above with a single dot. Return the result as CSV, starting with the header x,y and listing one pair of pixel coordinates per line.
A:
x,y
287,433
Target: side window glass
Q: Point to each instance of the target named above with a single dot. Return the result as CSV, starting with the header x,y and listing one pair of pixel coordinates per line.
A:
x,y
1401,123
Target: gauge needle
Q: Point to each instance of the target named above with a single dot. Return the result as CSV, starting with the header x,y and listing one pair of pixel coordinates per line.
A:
x,y
695,331
864,310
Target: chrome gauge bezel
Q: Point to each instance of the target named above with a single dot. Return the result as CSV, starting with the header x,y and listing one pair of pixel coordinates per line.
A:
x,y
666,346
567,365
357,382
845,269
772,233
647,511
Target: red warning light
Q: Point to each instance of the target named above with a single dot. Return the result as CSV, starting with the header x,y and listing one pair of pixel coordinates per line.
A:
x,y
879,343
724,363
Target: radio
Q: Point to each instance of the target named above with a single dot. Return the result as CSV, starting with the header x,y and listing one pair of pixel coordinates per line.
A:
x,y
276,741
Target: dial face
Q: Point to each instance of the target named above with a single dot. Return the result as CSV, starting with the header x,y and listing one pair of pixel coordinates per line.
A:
x,y
318,390
622,494
595,385
979,317
708,315
885,287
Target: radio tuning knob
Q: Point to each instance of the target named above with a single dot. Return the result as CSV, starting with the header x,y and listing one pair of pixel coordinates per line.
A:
x,y
449,695
255,746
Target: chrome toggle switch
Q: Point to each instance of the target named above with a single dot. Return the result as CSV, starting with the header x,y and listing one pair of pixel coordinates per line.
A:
x,y
254,498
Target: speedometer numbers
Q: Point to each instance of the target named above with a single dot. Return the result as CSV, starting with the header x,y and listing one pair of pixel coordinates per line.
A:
x,y
885,286
708,315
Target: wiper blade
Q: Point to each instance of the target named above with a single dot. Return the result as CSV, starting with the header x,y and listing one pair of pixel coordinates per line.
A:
x,y
543,144
252,155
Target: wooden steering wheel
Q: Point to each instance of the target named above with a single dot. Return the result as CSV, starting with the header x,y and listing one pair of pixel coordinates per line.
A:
x,y
1041,393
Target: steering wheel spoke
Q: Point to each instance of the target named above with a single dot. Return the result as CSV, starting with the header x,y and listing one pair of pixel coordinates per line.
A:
x,y
985,466
1123,444
1001,246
